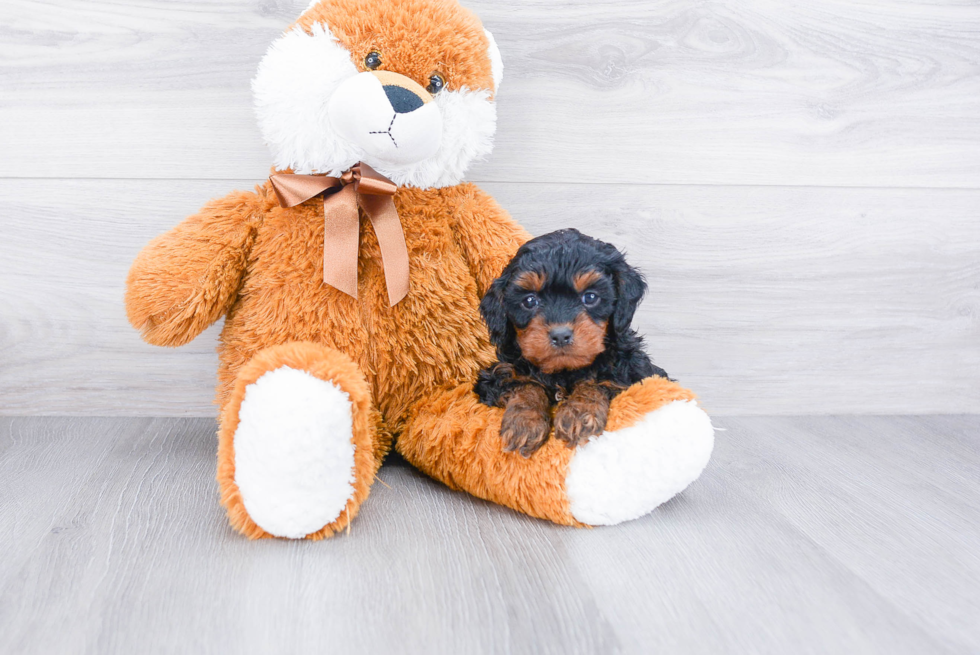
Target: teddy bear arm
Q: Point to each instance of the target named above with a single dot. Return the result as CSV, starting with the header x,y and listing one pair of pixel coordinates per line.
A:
x,y
186,279
656,442
488,235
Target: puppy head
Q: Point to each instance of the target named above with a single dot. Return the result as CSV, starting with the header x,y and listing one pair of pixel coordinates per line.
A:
x,y
405,86
562,300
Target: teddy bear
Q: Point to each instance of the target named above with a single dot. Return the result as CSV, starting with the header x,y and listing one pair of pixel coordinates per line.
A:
x,y
350,285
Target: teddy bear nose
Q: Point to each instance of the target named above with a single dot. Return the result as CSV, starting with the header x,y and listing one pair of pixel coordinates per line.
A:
x,y
402,100
560,336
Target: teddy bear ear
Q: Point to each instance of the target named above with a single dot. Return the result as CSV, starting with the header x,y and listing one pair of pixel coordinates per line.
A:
x,y
496,63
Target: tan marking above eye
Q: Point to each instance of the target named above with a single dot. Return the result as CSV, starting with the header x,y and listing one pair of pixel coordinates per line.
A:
x,y
530,281
585,279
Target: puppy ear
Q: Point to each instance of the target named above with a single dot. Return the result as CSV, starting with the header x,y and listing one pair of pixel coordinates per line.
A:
x,y
493,312
630,287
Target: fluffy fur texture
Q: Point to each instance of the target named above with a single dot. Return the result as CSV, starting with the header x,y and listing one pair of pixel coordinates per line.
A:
x,y
458,239
559,316
453,437
317,108
294,454
496,63
625,474
527,419
407,369
282,507
188,278
362,113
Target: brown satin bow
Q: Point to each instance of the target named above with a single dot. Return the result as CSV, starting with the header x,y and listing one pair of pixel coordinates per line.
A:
x,y
360,185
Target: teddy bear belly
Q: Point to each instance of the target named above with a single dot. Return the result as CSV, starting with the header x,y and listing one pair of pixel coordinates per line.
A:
x,y
433,346
431,339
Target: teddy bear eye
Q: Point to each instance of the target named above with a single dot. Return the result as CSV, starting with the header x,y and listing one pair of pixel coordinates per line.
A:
x,y
373,60
436,82
529,301
590,298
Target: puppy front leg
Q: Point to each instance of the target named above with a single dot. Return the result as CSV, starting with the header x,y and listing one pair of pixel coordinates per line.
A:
x,y
527,421
583,414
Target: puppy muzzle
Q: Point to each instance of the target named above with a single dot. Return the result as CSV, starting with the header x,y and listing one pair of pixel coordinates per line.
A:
x,y
388,115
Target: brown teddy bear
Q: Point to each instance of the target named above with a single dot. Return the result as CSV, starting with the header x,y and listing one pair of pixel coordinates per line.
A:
x,y
351,281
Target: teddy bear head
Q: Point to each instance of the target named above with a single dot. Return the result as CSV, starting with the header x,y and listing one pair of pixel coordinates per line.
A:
x,y
406,86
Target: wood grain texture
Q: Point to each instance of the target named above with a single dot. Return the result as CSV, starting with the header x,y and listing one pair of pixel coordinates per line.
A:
x,y
652,125
720,92
804,535
765,300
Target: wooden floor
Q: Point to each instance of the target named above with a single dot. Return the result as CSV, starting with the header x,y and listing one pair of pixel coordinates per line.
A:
x,y
805,535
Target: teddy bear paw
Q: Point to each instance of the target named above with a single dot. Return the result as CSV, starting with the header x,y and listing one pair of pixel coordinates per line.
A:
x,y
294,455
624,474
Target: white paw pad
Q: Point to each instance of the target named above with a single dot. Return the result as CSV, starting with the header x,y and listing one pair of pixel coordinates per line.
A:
x,y
622,475
294,454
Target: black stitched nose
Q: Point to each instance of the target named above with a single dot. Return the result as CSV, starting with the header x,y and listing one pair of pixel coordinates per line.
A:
x,y
560,336
402,100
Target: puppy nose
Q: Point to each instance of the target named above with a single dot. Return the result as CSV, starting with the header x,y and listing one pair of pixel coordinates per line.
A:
x,y
402,100
560,336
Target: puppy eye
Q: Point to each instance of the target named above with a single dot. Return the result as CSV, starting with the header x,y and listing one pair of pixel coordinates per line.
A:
x,y
529,302
436,82
590,298
373,60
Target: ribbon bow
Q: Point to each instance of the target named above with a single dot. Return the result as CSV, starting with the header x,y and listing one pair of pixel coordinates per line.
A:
x,y
360,185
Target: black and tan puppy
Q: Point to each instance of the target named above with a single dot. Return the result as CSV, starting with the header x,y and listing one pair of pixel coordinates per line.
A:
x,y
560,316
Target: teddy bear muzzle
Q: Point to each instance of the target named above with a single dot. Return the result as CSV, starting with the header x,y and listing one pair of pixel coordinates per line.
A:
x,y
388,115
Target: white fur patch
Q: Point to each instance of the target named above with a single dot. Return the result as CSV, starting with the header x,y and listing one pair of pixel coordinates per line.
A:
x,y
469,121
294,454
361,113
622,475
292,89
496,63
294,85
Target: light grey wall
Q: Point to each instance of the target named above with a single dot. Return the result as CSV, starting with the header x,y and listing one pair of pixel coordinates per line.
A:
x,y
801,185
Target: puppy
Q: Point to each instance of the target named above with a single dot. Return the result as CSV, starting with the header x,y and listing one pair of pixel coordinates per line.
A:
x,y
559,316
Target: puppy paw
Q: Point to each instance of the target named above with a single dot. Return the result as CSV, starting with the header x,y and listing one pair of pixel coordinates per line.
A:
x,y
524,430
581,417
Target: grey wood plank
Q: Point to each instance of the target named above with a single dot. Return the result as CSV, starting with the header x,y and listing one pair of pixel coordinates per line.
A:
x,y
722,574
154,568
887,503
138,558
57,463
765,300
723,92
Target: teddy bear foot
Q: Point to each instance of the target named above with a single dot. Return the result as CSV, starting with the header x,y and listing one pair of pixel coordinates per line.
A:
x,y
298,443
294,458
624,474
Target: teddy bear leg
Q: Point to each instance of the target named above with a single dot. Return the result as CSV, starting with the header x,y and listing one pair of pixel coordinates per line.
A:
x,y
657,441
299,443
